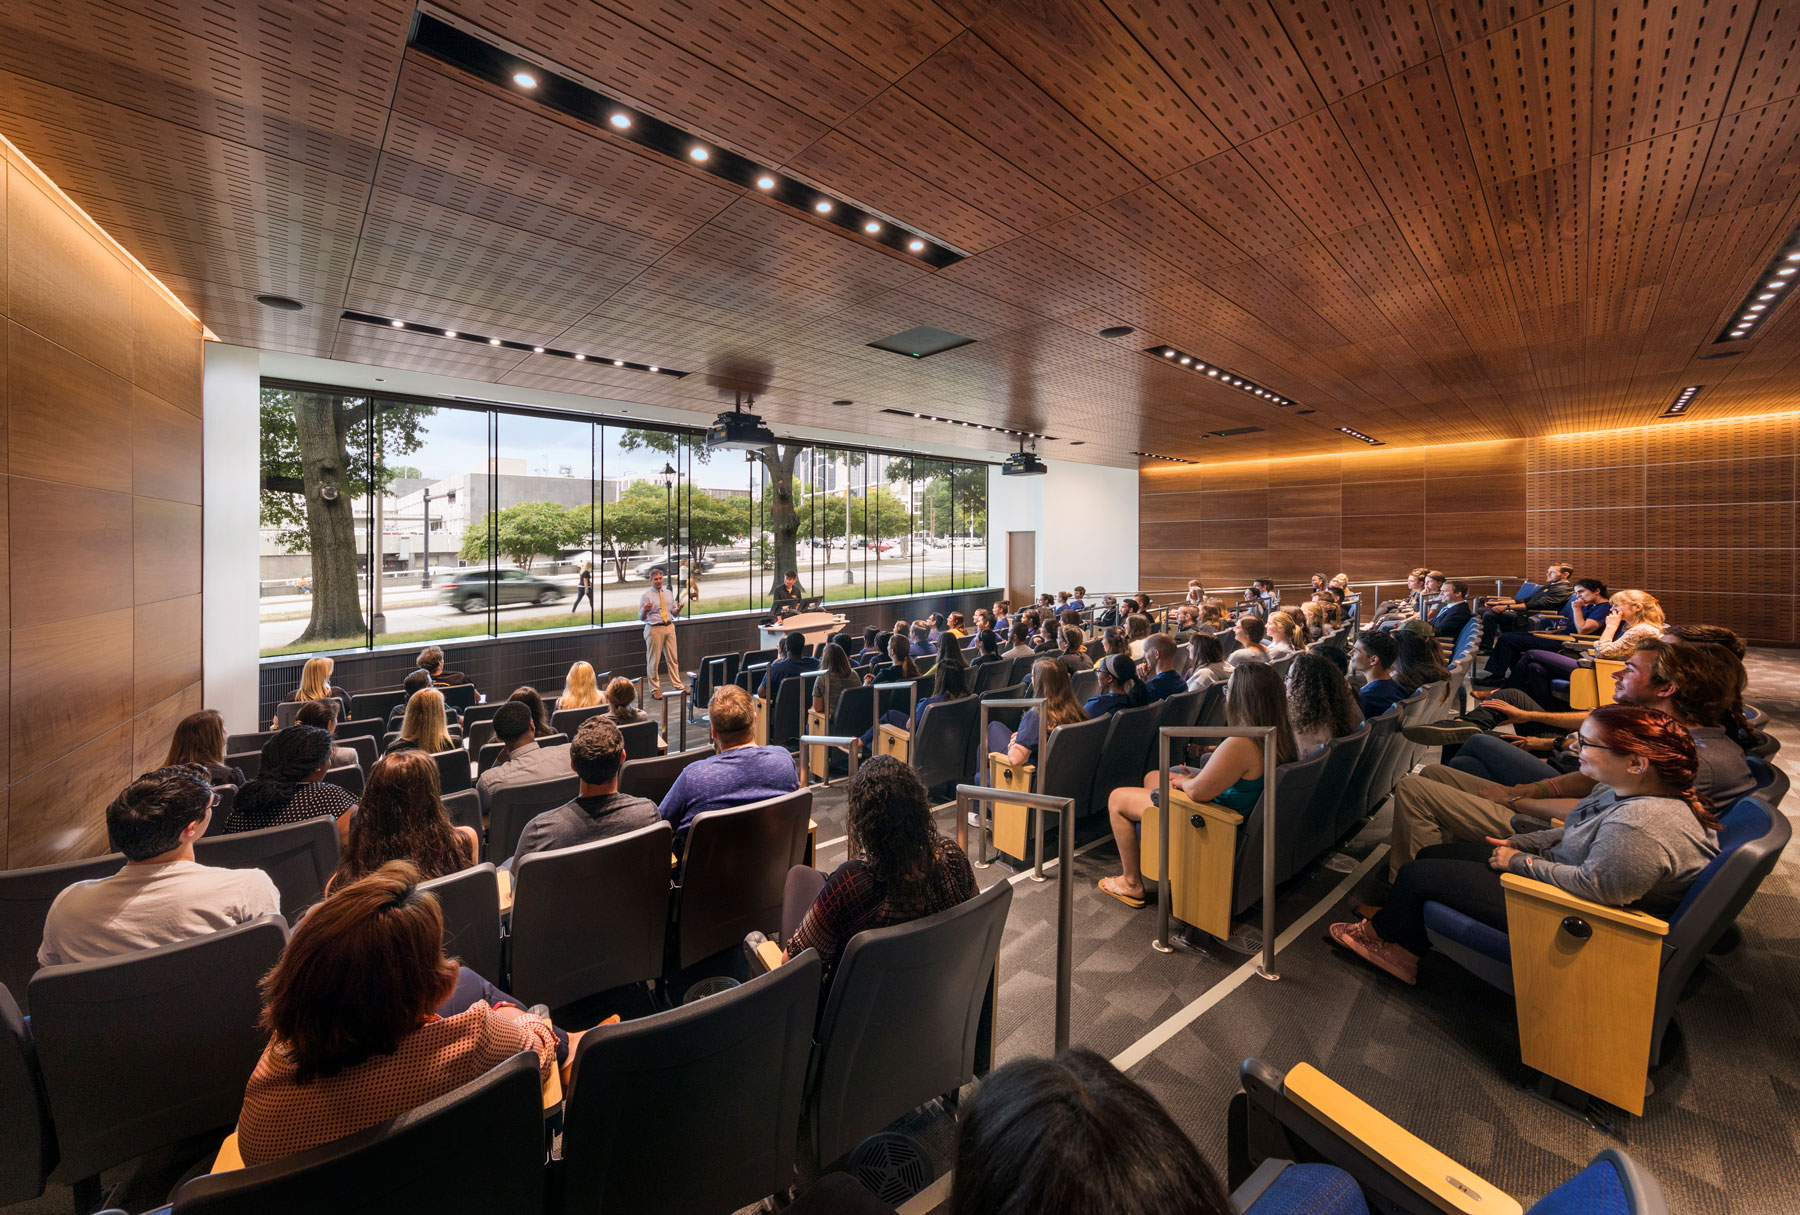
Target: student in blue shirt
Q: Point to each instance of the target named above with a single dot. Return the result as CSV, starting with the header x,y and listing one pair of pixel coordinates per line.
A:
x,y
739,774
1375,652
950,681
1584,615
1160,653
1120,687
1079,602
792,662
922,643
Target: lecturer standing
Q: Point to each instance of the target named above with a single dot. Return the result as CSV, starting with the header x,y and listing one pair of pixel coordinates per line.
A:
x,y
657,610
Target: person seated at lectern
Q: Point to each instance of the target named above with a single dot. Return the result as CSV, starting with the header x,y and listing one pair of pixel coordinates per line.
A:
x,y
1638,840
741,772
792,662
1232,776
899,665
950,681
788,595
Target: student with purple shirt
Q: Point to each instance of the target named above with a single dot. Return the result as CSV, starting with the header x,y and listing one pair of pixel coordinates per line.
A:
x,y
740,773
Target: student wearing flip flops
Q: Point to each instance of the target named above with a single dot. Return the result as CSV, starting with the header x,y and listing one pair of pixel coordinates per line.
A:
x,y
1231,777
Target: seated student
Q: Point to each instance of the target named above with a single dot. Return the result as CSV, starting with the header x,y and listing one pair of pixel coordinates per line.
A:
x,y
324,715
830,687
289,785
922,643
1073,1135
984,619
1374,655
1137,632
1020,642
1120,687
955,626
431,661
1108,613
1283,633
1417,658
1419,606
1161,658
1249,634
1187,619
521,761
415,683
315,684
1635,617
1503,615
900,869
580,689
401,817
1411,604
1453,609
949,681
1060,708
1489,782
1639,839
1196,592
1320,706
1232,776
1071,651
1212,617
792,662
870,645
1312,618
621,701
1061,605
1209,665
200,739
540,713
599,811
899,665
987,648
423,728
1077,602
1583,616
161,894
934,627
358,1031
741,772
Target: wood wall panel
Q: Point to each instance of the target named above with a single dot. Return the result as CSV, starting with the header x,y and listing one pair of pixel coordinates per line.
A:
x,y
100,384
1703,514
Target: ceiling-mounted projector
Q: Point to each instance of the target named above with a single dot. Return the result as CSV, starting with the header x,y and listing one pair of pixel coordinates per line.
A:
x,y
735,430
1023,464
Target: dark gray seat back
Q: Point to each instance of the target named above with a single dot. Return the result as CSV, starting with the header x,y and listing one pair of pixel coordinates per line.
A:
x,y
1068,759
247,762
641,740
453,770
470,901
361,727
286,712
494,1124
298,857
1294,785
590,918
729,1070
567,721
458,696
1132,734
25,898
940,748
512,806
248,742
1361,798
901,1022
1316,831
734,867
653,777
377,704
367,752
349,778
149,1048
28,1149
464,809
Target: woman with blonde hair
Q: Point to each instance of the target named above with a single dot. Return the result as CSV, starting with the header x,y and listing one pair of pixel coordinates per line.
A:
x,y
200,739
315,684
580,691
1636,617
621,694
1283,636
423,728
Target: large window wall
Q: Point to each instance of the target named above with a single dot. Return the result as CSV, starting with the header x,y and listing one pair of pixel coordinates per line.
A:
x,y
390,521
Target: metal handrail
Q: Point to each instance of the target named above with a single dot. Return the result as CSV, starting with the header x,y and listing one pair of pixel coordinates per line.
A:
x,y
1267,734
850,742
1065,880
981,770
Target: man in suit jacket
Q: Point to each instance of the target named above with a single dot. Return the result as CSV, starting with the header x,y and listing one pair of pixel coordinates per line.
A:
x,y
1513,615
1454,611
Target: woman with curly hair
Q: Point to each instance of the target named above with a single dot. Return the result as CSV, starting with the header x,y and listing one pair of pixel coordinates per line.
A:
x,y
1320,705
401,817
1638,840
900,869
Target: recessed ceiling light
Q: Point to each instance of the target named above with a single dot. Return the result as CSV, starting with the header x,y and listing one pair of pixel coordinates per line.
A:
x,y
449,333
1184,360
493,341
581,358
871,227
537,350
765,183
698,153
398,324
1767,295
654,369
1116,331
525,80
281,303
823,206
618,362
917,246
622,121
1168,354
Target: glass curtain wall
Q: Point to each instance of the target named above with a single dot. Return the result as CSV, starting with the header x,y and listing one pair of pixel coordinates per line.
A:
x,y
401,522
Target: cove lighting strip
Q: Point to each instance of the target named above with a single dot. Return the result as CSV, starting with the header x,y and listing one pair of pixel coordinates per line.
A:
x,y
1682,400
1150,455
1212,371
1357,434
513,72
598,360
999,430
1772,286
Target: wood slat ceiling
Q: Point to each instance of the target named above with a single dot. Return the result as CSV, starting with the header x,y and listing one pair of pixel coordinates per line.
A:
x,y
1433,221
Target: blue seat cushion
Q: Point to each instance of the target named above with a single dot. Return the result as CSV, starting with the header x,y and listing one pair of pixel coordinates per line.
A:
x,y
1596,1190
1311,1189
1482,938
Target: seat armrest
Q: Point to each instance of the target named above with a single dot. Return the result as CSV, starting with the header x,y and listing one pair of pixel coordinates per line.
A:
x,y
1544,892
769,954
1443,1182
1181,803
504,879
228,1160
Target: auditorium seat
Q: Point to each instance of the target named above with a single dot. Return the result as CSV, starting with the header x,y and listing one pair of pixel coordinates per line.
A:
x,y
366,750
361,727
901,1024
1066,763
1596,986
1317,829
477,1150
940,752
734,868
376,704
221,811
567,721
652,778
458,696
286,711
464,809
348,778
512,806
590,918
28,1149
1132,734
298,857
25,898
470,902
150,1048
1364,792
453,770
727,1071
641,739
247,762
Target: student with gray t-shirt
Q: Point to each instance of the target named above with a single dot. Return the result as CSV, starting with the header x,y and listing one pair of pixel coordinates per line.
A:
x,y
599,810
161,895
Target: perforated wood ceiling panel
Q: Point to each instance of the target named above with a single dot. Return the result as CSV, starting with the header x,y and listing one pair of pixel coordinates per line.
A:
x,y
1428,220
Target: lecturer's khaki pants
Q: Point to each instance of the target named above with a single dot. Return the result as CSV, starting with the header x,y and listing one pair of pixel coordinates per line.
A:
x,y
659,644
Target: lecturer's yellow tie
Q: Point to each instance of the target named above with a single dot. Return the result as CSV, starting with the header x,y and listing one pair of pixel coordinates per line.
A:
x,y
662,602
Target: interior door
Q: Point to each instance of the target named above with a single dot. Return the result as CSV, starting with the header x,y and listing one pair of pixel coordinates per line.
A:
x,y
1021,567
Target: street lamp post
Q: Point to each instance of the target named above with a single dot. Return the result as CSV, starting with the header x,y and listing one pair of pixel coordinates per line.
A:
x,y
425,572
669,477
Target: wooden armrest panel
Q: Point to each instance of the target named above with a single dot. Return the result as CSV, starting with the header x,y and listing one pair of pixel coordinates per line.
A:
x,y
769,954
1181,804
504,879
229,1160
1544,892
1446,1184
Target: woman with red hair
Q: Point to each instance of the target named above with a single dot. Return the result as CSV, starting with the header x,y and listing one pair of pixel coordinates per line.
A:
x,y
1639,839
